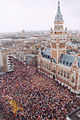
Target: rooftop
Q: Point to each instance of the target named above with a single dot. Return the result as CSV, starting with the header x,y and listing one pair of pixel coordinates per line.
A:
x,y
65,59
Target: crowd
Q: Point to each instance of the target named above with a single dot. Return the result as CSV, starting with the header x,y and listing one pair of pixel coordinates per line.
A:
x,y
40,97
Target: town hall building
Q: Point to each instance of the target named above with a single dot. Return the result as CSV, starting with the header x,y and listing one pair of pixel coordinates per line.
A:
x,y
56,62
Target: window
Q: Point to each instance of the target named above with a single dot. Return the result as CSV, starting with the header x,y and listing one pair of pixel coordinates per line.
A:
x,y
72,80
53,71
64,74
64,62
54,60
42,53
67,63
70,64
46,56
68,75
60,61
61,72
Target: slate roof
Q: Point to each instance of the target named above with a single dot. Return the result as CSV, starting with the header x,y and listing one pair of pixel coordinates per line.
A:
x,y
46,53
66,59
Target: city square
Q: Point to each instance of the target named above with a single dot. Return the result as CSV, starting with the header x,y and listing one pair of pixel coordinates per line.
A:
x,y
40,97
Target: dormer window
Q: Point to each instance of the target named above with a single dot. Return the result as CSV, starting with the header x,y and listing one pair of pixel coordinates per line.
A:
x,y
70,64
44,55
67,63
64,62
48,57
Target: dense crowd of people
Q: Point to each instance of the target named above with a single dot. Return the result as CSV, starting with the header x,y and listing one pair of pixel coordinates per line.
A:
x,y
40,97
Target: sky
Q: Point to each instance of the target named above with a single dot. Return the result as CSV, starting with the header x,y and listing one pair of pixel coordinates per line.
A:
x,y
34,15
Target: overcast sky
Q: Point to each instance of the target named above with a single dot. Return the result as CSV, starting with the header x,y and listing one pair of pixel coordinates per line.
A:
x,y
16,15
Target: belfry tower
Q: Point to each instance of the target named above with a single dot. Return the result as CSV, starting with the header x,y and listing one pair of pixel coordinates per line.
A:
x,y
58,36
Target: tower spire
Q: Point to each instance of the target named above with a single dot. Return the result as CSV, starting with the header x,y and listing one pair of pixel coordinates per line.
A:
x,y
58,4
58,17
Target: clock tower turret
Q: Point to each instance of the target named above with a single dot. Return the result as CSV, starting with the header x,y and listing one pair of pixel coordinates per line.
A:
x,y
58,36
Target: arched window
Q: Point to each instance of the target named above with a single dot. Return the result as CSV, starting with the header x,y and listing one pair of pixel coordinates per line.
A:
x,y
64,74
72,80
70,64
45,56
42,53
54,60
64,62
67,63
68,75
